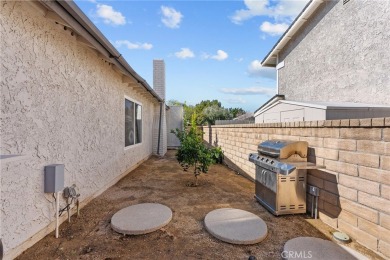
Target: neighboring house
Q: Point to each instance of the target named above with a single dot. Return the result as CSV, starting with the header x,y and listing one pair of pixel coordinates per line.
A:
x,y
277,109
67,97
334,56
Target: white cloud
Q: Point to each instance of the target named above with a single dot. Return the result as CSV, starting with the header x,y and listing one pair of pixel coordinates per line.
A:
x,y
109,15
273,28
238,100
256,70
134,46
220,56
239,59
249,91
171,18
184,53
277,9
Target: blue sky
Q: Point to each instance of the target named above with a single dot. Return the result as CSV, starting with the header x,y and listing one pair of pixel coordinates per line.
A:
x,y
212,49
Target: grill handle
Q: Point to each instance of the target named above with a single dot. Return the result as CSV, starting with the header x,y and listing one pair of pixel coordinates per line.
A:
x,y
270,154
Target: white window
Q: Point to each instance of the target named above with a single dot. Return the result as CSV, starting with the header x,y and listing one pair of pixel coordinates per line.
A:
x,y
133,123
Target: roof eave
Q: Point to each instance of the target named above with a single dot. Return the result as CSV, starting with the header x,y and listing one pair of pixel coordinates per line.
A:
x,y
269,102
70,9
271,59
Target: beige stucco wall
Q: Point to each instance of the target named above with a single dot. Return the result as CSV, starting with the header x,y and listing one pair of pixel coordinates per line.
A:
x,y
341,54
60,103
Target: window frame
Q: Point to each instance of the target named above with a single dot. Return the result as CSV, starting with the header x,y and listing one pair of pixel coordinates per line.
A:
x,y
136,102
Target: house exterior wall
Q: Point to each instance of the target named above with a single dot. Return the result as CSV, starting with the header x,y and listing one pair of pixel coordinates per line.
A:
x,y
283,112
341,54
354,187
60,103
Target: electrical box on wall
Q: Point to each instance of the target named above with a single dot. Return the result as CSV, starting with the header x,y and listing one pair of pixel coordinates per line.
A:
x,y
54,178
315,191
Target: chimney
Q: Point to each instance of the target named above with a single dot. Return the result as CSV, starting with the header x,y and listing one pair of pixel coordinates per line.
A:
x,y
159,77
160,120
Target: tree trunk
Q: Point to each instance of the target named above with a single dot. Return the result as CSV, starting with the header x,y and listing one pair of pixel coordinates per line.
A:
x,y
196,175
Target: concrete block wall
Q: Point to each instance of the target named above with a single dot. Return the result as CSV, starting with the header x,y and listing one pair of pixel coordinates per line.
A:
x,y
354,187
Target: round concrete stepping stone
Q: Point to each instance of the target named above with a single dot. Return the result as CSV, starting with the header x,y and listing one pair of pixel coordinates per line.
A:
x,y
236,226
317,248
141,218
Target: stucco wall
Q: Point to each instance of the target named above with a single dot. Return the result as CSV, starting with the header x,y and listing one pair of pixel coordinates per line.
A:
x,y
60,103
341,54
354,187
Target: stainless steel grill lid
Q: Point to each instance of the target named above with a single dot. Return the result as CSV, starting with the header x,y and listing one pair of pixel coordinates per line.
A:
x,y
282,149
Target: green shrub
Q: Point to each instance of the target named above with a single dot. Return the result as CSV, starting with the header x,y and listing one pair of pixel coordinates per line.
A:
x,y
217,154
193,152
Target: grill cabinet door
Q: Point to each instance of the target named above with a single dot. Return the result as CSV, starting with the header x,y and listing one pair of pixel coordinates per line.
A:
x,y
292,193
265,187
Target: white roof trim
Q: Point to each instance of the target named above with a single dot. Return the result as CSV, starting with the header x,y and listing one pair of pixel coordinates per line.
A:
x,y
269,103
335,105
311,7
320,106
277,102
324,106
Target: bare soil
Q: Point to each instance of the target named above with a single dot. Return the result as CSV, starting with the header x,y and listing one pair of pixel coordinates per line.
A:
x,y
161,180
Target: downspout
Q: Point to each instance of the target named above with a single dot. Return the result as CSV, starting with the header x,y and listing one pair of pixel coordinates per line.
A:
x,y
277,74
159,129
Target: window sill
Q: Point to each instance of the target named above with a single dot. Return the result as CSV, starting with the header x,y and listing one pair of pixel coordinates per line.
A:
x,y
132,146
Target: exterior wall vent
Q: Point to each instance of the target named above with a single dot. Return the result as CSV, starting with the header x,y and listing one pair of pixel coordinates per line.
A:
x,y
345,1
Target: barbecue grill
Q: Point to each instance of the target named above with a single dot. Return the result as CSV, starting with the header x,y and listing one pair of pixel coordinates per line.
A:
x,y
281,169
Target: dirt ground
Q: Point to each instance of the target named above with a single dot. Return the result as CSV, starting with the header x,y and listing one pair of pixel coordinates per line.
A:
x,y
162,180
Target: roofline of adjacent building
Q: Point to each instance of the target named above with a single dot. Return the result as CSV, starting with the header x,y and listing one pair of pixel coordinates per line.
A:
x,y
270,59
269,102
71,14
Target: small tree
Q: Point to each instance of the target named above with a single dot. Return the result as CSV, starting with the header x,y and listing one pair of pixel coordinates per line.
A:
x,y
193,152
213,113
